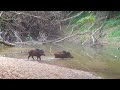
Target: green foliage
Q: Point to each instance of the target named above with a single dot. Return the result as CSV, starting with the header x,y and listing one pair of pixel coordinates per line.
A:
x,y
73,13
114,39
116,15
113,22
111,28
29,38
76,19
87,19
115,33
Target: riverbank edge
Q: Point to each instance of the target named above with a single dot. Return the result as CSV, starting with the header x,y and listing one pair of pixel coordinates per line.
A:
x,y
11,68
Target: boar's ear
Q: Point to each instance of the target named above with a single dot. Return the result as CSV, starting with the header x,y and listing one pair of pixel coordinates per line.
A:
x,y
68,52
64,51
42,49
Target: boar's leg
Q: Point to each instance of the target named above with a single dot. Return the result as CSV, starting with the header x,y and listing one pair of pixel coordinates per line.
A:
x,y
28,57
39,57
32,57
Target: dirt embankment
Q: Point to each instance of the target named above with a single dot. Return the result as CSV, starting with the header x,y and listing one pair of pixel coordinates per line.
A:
x,y
11,68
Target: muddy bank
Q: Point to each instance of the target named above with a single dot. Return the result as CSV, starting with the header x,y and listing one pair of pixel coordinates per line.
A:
x,y
11,68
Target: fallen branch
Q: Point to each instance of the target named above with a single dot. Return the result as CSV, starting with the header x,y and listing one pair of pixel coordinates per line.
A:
x,y
28,15
93,38
1,13
69,13
99,29
73,28
90,31
71,36
76,38
60,26
7,43
17,36
72,16
93,33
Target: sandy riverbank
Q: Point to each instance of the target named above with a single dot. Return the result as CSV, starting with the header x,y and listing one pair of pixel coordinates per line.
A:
x,y
11,68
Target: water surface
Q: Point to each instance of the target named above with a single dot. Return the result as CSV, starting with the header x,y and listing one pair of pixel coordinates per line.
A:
x,y
103,61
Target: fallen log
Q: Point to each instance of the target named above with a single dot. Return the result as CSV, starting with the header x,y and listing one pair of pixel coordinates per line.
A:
x,y
7,43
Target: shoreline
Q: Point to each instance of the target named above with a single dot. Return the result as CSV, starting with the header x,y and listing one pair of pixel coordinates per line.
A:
x,y
11,68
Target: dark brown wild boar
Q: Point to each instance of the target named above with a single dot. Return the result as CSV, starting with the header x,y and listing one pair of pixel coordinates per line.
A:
x,y
63,54
36,52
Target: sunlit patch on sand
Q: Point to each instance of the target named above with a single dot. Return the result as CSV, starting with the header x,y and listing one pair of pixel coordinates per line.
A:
x,y
49,58
46,58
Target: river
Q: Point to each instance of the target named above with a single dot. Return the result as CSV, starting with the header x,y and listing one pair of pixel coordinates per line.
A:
x,y
103,61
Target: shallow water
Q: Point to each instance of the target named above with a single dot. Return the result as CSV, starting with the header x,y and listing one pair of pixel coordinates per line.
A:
x,y
103,61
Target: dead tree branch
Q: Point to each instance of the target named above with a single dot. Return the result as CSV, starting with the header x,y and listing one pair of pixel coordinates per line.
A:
x,y
7,43
72,16
89,29
71,36
93,34
1,13
28,15
69,13
73,28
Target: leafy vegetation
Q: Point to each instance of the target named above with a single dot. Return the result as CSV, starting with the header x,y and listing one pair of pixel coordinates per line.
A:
x,y
111,30
87,19
36,25
115,33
